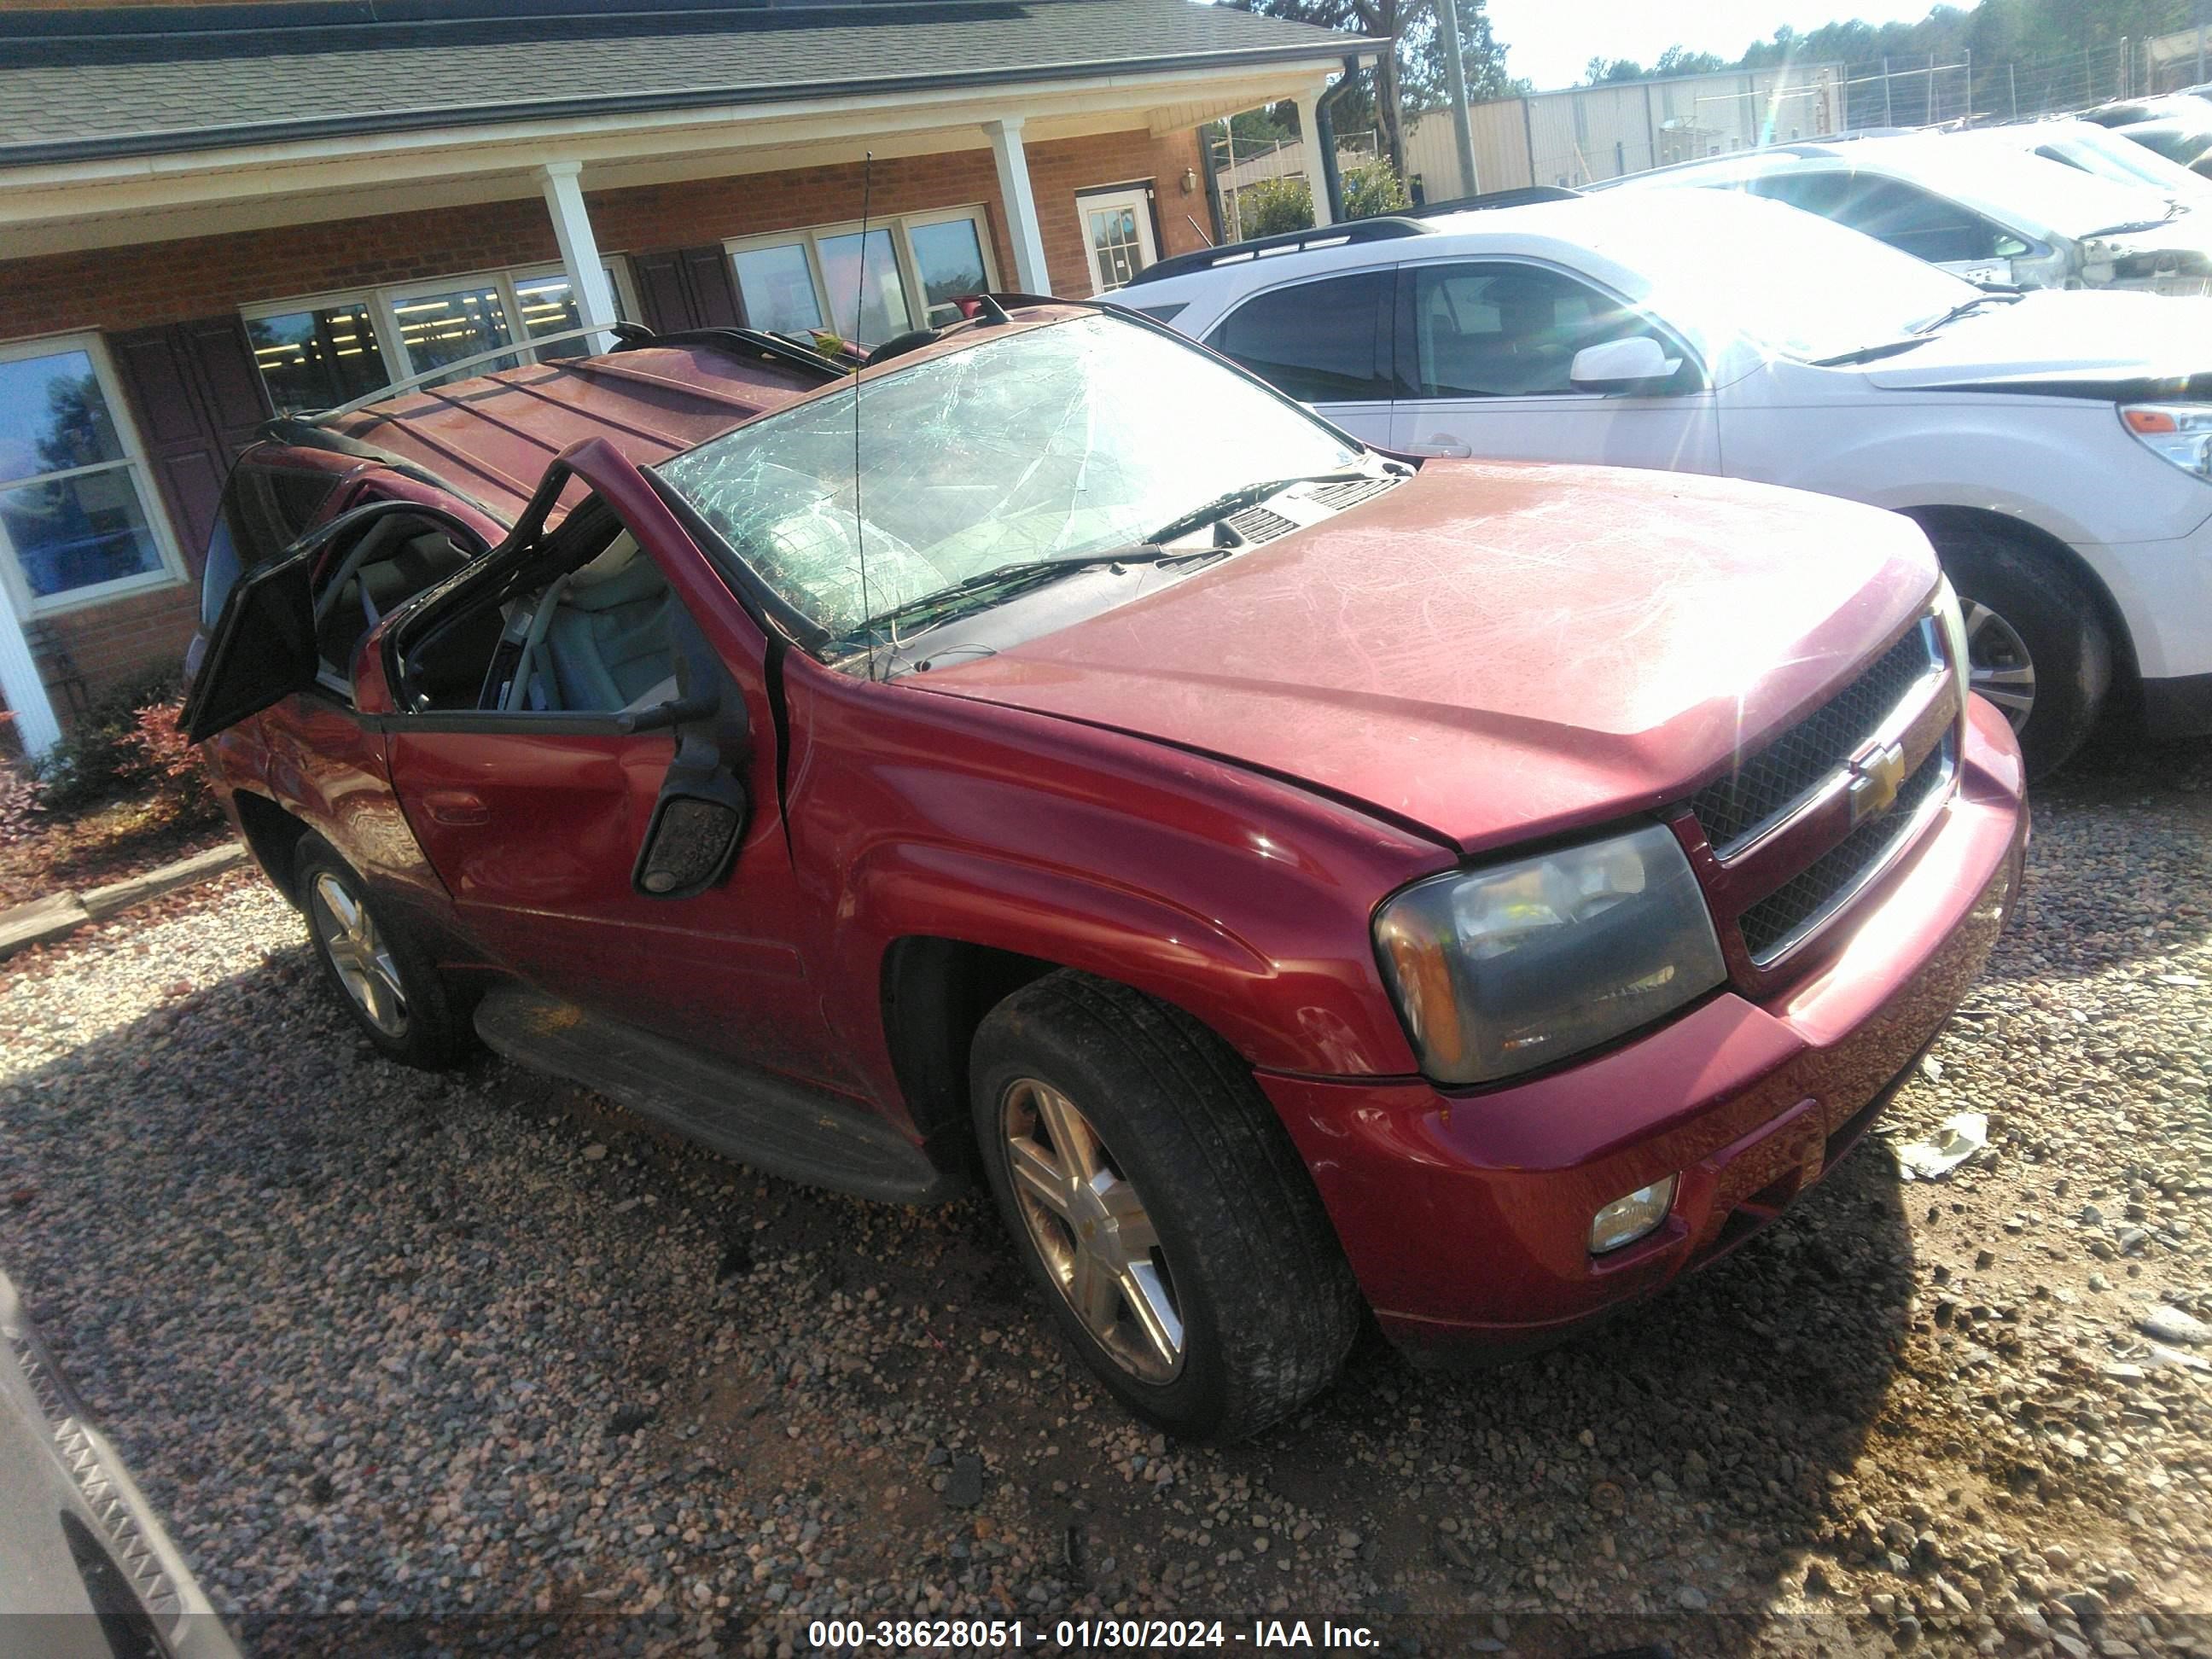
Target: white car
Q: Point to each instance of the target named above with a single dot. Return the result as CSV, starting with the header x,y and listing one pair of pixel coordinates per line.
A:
x,y
2054,445
2088,147
1984,214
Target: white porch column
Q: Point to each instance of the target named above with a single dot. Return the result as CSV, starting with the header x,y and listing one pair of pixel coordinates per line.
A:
x,y
35,724
579,249
1308,107
1013,164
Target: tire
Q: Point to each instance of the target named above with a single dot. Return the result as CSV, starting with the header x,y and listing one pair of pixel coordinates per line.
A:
x,y
1244,1256
425,1028
2020,600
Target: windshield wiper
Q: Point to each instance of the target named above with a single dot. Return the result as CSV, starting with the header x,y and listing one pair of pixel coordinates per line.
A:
x,y
1866,354
1251,495
1959,311
1002,581
2130,228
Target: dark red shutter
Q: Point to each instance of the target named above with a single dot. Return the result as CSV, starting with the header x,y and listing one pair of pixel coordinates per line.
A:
x,y
196,400
659,279
686,288
714,293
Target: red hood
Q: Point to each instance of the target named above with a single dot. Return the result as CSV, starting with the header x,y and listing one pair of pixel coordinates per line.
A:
x,y
1496,651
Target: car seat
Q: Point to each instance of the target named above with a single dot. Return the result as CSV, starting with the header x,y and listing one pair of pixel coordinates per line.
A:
x,y
597,639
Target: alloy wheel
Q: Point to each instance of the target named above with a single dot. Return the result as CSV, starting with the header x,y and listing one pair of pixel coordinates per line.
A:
x,y
1998,664
1090,1226
357,950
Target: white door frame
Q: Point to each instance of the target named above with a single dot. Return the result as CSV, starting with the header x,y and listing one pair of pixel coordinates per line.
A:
x,y
1137,194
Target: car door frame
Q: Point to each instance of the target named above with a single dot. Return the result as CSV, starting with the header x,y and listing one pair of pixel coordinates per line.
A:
x,y
1405,356
770,963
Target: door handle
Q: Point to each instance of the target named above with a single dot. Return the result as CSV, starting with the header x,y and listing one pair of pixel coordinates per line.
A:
x,y
1442,443
456,806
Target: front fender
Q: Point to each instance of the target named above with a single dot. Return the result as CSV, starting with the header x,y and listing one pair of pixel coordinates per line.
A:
x,y
1241,899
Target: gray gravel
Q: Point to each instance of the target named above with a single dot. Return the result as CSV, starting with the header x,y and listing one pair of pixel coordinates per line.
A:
x,y
484,1363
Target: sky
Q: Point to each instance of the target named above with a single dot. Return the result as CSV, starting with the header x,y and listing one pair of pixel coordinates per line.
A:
x,y
1550,42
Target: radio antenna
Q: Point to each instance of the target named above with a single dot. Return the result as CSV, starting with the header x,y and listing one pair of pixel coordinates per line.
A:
x,y
860,299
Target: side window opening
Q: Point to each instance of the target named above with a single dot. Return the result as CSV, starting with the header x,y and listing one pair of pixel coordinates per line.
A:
x,y
362,577
585,628
1317,341
1507,330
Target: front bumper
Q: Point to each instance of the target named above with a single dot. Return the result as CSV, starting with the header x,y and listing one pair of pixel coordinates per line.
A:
x,y
1467,1217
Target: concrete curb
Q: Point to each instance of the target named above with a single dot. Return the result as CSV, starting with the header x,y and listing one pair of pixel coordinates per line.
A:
x,y
43,921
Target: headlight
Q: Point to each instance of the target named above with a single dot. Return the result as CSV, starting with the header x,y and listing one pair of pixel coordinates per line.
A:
x,y
2182,433
1951,620
1520,965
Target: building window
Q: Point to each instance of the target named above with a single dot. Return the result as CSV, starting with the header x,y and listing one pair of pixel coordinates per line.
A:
x,y
319,357
73,522
908,275
317,354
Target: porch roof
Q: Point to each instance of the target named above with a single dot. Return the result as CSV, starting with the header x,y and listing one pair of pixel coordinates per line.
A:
x,y
79,85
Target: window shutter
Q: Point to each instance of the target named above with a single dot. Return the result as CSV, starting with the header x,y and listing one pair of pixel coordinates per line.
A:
x,y
659,278
686,288
196,400
713,291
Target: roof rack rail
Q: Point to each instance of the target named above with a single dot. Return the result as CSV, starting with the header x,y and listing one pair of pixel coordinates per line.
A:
x,y
744,343
628,336
1519,195
1290,242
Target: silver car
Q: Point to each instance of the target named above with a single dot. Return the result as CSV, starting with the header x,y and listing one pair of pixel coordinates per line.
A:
x,y
85,1567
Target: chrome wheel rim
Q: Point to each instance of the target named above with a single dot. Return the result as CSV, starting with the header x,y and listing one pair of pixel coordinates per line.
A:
x,y
1998,663
358,954
1091,1229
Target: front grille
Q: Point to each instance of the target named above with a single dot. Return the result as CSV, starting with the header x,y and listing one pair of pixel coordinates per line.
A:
x,y
1770,781
1771,923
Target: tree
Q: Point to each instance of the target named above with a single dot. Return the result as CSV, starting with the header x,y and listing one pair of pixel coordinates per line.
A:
x,y
1409,78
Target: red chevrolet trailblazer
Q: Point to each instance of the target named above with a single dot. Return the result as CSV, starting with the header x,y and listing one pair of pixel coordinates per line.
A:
x,y
1292,877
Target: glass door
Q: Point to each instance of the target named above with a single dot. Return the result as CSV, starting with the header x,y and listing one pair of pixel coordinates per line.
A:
x,y
1117,228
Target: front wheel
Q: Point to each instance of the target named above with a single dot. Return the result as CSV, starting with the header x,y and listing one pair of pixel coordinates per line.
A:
x,y
2036,646
1175,1230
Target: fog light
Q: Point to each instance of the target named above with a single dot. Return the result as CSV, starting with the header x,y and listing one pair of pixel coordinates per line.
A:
x,y
1627,1220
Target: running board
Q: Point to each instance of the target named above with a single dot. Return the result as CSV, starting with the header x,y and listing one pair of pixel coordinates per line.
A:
x,y
775,1126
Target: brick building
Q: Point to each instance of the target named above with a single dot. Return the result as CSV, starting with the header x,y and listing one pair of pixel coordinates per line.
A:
x,y
209,213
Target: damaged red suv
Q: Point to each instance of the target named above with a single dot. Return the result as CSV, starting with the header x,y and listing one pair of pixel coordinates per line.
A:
x,y
1294,878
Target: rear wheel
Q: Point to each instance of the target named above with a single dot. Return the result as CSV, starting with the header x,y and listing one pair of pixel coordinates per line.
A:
x,y
2036,644
394,995
1172,1225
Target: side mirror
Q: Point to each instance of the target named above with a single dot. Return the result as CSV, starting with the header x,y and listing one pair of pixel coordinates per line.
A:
x,y
1640,363
700,818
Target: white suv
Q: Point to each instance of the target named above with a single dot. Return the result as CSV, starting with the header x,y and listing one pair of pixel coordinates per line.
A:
x,y
1985,214
2057,447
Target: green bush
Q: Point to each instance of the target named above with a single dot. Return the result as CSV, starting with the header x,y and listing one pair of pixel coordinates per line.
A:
x,y
100,756
1273,206
1374,187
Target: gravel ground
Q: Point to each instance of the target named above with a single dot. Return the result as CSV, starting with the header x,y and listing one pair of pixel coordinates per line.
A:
x,y
485,1364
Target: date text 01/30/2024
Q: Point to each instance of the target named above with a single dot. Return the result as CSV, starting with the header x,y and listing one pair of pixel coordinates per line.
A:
x,y
1081,1635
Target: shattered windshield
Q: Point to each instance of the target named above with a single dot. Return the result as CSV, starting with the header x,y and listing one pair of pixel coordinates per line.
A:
x,y
1053,442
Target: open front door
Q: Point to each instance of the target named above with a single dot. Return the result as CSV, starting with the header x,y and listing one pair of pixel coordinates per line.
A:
x,y
600,804
263,648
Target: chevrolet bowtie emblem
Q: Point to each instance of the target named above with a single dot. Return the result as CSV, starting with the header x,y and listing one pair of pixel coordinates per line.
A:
x,y
1877,773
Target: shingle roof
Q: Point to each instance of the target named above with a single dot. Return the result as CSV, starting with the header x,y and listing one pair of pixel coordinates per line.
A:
x,y
103,92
